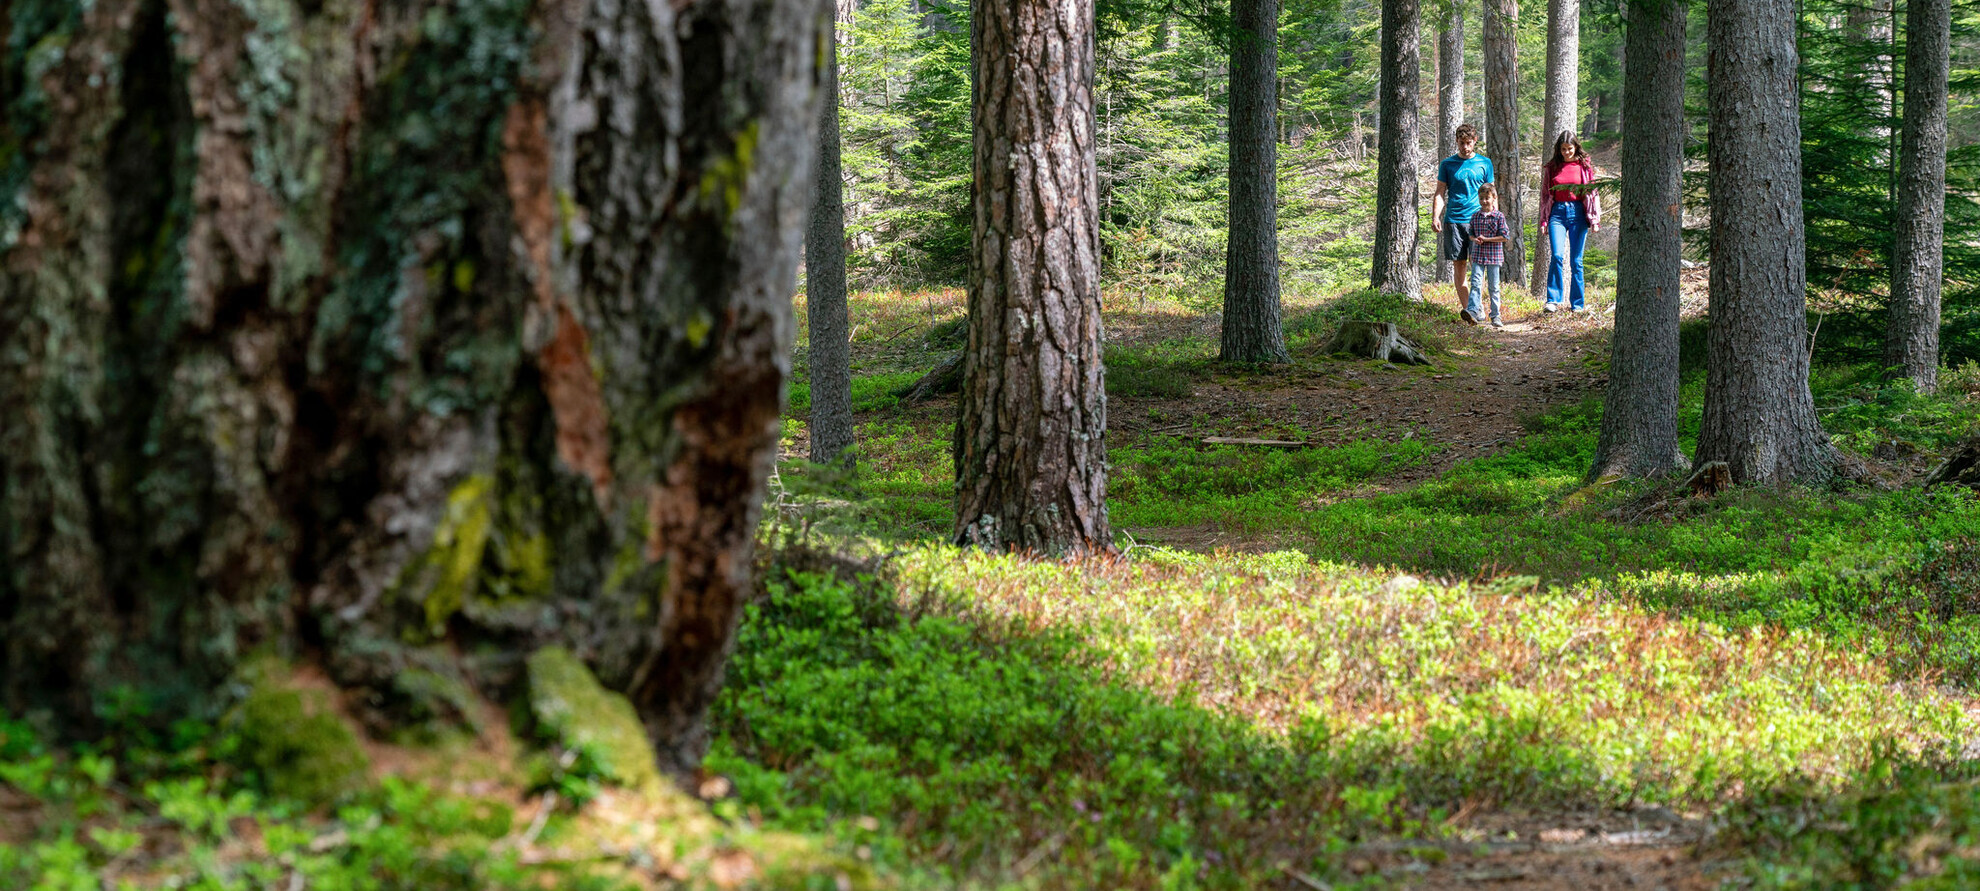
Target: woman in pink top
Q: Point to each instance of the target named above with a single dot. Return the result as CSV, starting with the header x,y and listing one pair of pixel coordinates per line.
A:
x,y
1571,209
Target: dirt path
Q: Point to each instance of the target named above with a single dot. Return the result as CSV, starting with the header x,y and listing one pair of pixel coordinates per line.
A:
x,y
1569,850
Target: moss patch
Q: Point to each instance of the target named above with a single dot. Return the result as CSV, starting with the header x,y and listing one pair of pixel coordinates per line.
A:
x,y
295,741
573,709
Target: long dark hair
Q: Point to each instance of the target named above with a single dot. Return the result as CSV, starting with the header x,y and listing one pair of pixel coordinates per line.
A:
x,y
1564,143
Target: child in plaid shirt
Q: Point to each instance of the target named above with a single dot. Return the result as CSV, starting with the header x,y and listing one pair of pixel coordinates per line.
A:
x,y
1488,253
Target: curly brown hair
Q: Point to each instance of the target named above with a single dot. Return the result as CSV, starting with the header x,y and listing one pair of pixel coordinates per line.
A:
x,y
1464,132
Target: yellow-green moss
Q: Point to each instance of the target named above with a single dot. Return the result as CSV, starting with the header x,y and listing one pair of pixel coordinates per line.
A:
x,y
296,743
572,708
451,565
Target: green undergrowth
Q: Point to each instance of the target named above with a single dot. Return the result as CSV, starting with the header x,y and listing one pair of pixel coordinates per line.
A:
x,y
1172,720
1919,827
215,807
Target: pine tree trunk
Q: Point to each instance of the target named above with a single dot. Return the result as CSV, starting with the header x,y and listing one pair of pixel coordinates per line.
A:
x,y
1031,448
830,354
1395,269
1499,47
1639,409
1450,94
1759,417
1563,95
1911,346
1252,330
410,336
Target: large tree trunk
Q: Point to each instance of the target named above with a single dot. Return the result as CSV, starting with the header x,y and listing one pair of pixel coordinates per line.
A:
x,y
1563,95
1499,46
1911,346
1253,331
1639,409
1031,447
1759,417
1450,93
1396,269
412,336
830,354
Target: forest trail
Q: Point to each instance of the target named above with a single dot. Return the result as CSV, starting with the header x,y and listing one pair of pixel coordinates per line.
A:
x,y
1486,386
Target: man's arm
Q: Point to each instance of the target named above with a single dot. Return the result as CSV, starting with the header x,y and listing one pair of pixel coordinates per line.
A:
x,y
1437,208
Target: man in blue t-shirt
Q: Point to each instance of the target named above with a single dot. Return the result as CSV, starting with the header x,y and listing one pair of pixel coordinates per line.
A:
x,y
1456,199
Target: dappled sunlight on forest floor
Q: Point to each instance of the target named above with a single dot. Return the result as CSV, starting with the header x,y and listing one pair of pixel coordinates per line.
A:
x,y
1488,671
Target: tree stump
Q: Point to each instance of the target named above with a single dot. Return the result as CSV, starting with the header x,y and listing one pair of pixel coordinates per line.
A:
x,y
1376,340
1711,478
944,379
1961,467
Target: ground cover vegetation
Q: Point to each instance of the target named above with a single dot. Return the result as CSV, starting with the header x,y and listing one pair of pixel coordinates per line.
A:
x,y
1606,643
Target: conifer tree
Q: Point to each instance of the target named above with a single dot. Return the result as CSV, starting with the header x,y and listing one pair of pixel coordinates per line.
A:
x,y
1759,415
1396,196
1031,447
1911,348
1639,434
1252,327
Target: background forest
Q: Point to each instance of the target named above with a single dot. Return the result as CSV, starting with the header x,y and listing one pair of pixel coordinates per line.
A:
x,y
1162,144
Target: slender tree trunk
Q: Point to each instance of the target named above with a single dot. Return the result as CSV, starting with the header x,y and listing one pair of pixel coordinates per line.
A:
x,y
1759,417
1563,95
1499,47
1031,447
409,365
1252,330
1395,269
1911,346
1450,93
1639,409
830,355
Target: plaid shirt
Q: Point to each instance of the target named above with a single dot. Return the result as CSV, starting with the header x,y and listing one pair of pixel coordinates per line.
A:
x,y
1493,224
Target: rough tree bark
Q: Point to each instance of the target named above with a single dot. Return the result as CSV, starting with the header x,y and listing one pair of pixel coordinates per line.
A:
x,y
1759,417
1030,450
1911,345
1639,409
1499,46
830,354
1396,269
410,335
1563,95
1450,93
1252,327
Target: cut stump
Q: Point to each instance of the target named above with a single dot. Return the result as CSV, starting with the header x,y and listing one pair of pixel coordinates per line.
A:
x,y
1376,340
1961,467
943,379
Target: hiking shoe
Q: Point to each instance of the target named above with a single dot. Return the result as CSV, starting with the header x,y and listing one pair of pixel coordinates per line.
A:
x,y
1551,307
1497,324
1468,318
1580,309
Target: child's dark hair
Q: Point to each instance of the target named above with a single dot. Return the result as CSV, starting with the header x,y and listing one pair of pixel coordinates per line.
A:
x,y
1487,191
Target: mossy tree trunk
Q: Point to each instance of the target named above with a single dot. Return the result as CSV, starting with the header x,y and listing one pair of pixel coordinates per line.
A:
x,y
410,335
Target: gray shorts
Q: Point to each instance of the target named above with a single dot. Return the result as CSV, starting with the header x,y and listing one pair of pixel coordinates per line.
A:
x,y
1456,241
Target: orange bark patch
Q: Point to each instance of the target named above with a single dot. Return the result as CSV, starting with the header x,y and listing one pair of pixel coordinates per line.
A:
x,y
583,436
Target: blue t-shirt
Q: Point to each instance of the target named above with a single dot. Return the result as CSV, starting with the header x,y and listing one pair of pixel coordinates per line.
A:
x,y
1461,177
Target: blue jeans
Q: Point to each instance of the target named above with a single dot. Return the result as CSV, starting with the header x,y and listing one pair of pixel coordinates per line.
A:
x,y
1488,276
1567,233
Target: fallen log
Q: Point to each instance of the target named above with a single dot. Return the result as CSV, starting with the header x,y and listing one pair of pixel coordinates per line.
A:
x,y
1376,340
